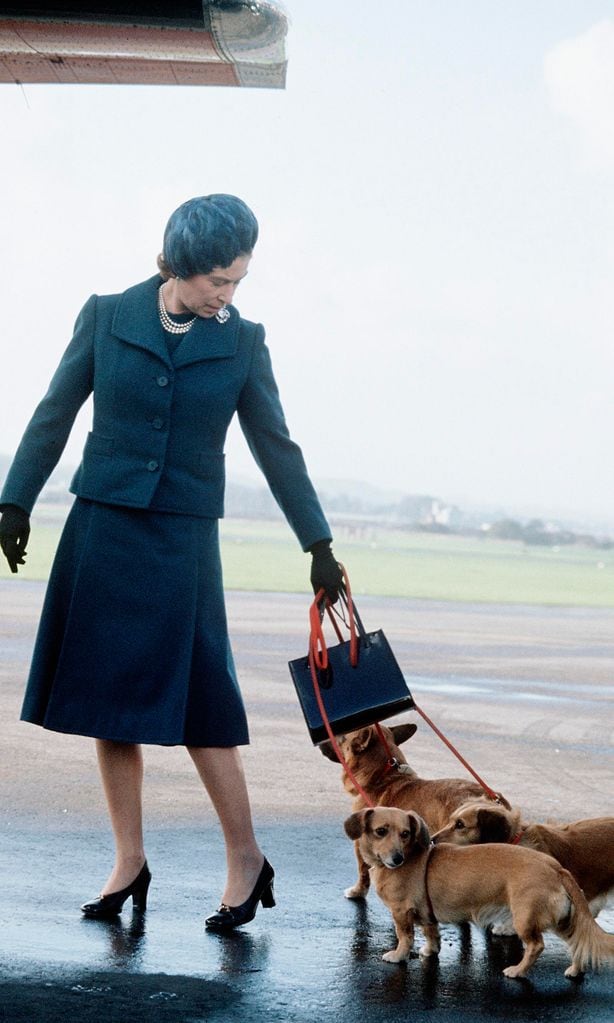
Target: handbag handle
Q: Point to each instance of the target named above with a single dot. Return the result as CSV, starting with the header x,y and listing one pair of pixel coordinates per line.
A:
x,y
318,659
317,642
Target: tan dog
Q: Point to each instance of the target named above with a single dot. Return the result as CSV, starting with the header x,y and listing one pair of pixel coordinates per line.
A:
x,y
427,884
395,785
585,848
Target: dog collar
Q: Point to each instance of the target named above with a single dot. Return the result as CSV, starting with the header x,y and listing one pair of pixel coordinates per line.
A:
x,y
392,764
516,839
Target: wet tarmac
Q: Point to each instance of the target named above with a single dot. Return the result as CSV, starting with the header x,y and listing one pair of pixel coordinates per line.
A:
x,y
511,686
315,955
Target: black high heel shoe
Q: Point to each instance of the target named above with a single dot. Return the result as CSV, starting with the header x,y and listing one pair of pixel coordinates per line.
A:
x,y
110,905
228,917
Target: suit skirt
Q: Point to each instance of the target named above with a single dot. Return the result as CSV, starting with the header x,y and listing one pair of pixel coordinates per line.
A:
x,y
133,643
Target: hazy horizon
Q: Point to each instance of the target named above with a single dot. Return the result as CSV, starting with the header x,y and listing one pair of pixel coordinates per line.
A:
x,y
435,267
374,492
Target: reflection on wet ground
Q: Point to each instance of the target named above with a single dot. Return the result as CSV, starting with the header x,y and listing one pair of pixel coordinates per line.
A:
x,y
315,953
126,939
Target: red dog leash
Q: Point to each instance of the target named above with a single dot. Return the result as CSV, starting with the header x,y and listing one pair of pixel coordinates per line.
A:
x,y
318,660
487,789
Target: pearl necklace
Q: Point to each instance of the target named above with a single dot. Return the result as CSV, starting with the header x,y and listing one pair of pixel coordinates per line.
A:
x,y
167,323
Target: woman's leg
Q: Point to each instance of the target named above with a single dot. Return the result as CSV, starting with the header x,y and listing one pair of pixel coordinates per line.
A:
x,y
221,772
121,770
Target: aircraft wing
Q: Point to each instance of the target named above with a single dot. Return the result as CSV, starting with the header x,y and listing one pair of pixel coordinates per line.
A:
x,y
207,42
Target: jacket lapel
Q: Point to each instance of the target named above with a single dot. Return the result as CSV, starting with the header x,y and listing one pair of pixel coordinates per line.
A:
x,y
208,339
136,320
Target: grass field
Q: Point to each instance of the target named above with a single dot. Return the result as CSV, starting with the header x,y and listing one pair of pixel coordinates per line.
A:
x,y
265,556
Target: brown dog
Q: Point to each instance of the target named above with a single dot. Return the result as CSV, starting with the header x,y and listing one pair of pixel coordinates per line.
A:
x,y
427,884
585,848
395,784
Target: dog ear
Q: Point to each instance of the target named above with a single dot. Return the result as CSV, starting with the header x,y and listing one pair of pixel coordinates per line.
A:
x,y
493,826
357,824
420,832
401,733
362,740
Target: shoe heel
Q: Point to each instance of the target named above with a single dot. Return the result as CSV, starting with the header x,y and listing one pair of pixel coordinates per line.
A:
x,y
268,898
139,897
107,906
139,901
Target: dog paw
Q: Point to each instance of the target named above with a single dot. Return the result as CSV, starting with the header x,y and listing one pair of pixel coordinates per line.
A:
x,y
573,971
356,892
514,972
428,950
503,930
394,956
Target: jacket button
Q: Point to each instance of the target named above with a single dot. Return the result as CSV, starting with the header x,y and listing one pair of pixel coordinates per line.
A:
x,y
162,381
152,466
157,423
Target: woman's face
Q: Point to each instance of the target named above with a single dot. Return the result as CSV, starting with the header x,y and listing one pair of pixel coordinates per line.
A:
x,y
205,294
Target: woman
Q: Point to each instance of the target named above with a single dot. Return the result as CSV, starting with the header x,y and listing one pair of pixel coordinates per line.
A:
x,y
132,646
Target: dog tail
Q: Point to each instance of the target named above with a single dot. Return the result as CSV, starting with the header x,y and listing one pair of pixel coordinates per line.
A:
x,y
590,946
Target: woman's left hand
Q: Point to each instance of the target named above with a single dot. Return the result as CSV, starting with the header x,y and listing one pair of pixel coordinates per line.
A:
x,y
326,572
14,533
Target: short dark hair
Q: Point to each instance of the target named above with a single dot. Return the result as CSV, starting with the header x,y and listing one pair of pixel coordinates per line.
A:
x,y
207,232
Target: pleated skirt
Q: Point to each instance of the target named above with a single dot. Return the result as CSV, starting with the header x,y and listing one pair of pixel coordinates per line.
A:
x,y
133,642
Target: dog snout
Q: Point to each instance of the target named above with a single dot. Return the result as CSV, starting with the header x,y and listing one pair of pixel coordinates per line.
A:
x,y
395,859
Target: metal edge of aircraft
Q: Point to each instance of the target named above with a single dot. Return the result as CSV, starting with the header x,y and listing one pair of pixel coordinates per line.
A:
x,y
239,43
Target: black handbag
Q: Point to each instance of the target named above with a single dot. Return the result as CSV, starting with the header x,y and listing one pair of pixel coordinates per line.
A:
x,y
355,683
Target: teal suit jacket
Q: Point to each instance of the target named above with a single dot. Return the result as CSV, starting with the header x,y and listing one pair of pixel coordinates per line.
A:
x,y
160,421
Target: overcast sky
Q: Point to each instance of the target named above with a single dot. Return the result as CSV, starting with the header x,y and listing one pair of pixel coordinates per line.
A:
x,y
435,272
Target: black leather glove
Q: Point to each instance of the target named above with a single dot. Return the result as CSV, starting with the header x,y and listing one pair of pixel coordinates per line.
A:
x,y
325,571
14,533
